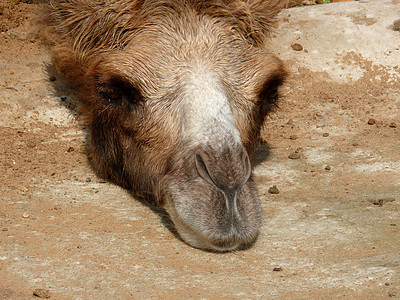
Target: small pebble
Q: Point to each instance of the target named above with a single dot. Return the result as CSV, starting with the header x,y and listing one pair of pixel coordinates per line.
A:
x,y
70,149
297,47
273,190
277,269
377,202
396,25
88,179
328,168
41,293
381,202
393,125
63,98
31,144
371,121
294,155
325,134
52,78
25,215
293,137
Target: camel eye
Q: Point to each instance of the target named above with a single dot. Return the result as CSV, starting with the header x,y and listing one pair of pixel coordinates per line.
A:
x,y
112,96
270,93
118,94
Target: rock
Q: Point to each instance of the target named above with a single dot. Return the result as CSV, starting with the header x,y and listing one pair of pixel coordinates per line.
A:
x,y
371,121
297,47
31,143
273,190
41,293
294,155
396,25
381,202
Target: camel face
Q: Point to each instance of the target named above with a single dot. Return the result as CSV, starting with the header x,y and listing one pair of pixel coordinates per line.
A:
x,y
175,93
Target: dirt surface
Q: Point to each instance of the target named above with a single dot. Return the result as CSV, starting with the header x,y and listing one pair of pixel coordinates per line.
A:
x,y
331,226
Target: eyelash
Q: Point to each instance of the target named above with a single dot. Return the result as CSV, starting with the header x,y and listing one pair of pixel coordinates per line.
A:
x,y
113,96
119,94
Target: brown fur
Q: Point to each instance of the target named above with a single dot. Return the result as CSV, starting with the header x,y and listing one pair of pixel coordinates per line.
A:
x,y
137,48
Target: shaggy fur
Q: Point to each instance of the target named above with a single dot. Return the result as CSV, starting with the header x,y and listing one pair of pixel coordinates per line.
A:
x,y
131,60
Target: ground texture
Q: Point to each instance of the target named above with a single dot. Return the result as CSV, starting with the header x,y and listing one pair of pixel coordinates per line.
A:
x,y
332,231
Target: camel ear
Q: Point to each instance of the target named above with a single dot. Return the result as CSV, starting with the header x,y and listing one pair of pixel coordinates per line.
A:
x,y
252,18
263,12
91,25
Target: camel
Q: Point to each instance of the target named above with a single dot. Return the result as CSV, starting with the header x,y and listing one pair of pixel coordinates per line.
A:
x,y
175,93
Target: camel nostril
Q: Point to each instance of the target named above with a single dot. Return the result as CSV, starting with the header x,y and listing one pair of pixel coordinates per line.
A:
x,y
202,169
228,169
247,166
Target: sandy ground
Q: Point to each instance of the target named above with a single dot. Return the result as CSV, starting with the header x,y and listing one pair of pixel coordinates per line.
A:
x,y
331,232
